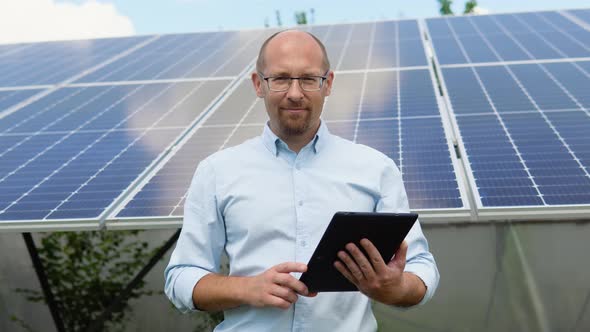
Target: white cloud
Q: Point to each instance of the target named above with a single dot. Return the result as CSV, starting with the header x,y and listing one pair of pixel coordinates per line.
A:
x,y
40,20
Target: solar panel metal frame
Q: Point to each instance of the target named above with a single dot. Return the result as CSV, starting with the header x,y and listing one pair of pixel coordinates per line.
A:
x,y
516,213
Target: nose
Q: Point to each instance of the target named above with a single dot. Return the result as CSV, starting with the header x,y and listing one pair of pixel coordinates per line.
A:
x,y
295,92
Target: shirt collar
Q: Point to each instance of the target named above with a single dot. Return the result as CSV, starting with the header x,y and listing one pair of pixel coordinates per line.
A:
x,y
272,141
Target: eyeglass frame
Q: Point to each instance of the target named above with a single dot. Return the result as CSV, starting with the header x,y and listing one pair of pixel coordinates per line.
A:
x,y
323,77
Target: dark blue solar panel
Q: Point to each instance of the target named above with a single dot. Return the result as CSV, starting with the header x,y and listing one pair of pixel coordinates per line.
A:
x,y
526,155
574,77
546,92
9,98
507,37
185,56
53,62
357,51
465,94
164,194
70,158
581,14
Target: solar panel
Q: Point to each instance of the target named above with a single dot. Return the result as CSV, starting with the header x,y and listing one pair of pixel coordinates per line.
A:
x,y
69,161
524,138
54,62
367,105
507,37
514,84
580,14
10,98
184,56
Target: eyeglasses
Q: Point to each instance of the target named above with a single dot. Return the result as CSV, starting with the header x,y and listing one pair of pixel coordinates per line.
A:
x,y
283,83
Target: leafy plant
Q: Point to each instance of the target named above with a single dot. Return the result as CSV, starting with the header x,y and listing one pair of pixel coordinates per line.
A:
x,y
470,7
445,7
87,270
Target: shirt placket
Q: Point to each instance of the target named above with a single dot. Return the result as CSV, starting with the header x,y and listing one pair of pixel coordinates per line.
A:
x,y
301,312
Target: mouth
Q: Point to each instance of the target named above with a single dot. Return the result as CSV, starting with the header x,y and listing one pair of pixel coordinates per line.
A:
x,y
294,110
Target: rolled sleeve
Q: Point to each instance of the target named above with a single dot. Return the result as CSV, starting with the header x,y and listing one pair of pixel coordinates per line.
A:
x,y
419,260
201,240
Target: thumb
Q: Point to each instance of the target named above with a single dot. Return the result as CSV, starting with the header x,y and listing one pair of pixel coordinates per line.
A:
x,y
399,259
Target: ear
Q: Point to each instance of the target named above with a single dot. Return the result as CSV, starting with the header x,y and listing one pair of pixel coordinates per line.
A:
x,y
328,83
258,86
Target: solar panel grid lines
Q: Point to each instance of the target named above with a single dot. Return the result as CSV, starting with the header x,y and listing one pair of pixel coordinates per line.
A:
x,y
525,28
364,85
10,99
453,119
344,48
509,136
399,103
141,192
68,61
548,62
48,91
578,16
8,49
129,196
143,67
62,139
533,102
170,110
99,76
565,32
551,44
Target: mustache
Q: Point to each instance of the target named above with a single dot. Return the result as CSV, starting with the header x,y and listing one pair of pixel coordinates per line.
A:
x,y
294,105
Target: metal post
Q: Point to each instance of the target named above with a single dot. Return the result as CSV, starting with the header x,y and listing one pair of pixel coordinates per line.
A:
x,y
38,265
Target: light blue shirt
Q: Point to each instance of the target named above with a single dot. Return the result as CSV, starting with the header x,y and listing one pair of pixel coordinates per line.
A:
x,y
264,205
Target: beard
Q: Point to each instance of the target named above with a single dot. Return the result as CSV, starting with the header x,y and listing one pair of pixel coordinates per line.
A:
x,y
294,124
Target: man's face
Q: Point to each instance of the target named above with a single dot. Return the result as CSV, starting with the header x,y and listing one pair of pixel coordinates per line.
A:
x,y
294,112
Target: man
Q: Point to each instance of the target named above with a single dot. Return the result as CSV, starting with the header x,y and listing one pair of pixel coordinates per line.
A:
x,y
268,201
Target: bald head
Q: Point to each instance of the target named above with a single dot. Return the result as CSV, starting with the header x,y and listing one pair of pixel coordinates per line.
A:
x,y
260,63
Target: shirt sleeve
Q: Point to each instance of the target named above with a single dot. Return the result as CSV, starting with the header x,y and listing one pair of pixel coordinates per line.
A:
x,y
201,240
419,260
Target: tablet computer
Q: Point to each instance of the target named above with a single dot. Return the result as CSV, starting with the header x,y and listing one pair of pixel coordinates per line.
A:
x,y
385,230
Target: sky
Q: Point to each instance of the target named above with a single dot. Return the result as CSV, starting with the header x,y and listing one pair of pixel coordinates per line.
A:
x,y
39,20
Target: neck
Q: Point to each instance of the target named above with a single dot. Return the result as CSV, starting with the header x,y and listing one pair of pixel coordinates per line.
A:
x,y
297,142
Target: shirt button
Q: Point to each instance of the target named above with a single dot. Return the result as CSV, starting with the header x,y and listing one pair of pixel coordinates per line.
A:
x,y
303,243
300,203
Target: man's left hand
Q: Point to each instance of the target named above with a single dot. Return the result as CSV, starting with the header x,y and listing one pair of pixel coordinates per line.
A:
x,y
383,282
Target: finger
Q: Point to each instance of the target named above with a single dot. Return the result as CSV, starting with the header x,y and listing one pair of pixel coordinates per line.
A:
x,y
355,272
284,293
287,280
278,302
361,260
374,256
399,260
289,267
345,272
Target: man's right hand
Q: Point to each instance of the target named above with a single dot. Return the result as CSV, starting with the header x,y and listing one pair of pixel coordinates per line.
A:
x,y
276,287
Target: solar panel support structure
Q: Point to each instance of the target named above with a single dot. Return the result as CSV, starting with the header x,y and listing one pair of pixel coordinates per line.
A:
x,y
46,288
98,324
